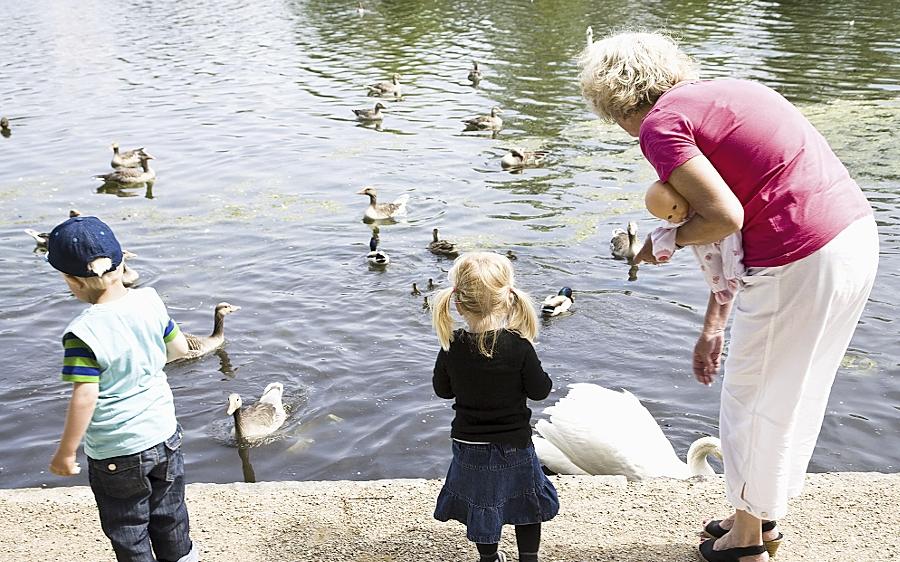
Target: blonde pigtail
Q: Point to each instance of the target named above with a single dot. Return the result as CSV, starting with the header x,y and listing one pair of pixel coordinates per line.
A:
x,y
441,318
522,317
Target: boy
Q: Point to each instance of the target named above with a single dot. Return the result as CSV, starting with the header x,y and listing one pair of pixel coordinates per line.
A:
x,y
121,404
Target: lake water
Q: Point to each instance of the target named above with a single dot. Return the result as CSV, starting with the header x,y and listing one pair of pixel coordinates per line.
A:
x,y
246,107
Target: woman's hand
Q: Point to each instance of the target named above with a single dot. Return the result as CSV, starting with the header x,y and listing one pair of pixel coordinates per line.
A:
x,y
707,355
645,254
63,464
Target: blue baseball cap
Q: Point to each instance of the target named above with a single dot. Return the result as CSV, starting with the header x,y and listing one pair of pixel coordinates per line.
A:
x,y
79,241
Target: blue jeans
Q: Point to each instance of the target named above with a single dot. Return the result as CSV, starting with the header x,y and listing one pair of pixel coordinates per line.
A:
x,y
141,503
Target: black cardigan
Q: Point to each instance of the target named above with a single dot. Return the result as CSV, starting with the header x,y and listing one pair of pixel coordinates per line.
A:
x,y
490,392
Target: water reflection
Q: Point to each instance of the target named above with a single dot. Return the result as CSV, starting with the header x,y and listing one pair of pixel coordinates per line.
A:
x,y
225,366
243,448
122,190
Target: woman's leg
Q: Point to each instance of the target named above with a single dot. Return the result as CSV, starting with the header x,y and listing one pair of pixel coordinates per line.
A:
x,y
528,541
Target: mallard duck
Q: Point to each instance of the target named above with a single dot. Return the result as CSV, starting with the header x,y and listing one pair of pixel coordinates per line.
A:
x,y
485,122
555,305
442,247
259,419
368,115
624,244
517,158
474,74
601,431
383,211
127,159
415,291
201,345
144,174
382,88
376,256
590,36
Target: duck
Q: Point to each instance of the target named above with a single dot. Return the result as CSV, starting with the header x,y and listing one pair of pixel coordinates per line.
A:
x,y
382,88
127,159
376,256
511,256
431,284
589,32
554,305
260,419
41,238
517,158
370,115
382,211
199,346
415,291
360,9
624,243
129,275
4,125
144,174
474,73
602,431
442,247
425,304
485,122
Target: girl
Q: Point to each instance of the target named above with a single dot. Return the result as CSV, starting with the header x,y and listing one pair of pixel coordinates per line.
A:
x,y
490,369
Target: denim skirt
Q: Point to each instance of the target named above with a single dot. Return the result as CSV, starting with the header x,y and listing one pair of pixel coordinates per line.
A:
x,y
492,485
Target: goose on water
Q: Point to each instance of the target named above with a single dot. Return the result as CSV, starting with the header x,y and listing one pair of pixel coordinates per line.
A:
x,y
442,247
259,419
383,88
144,174
201,345
491,122
383,211
376,256
595,430
370,115
624,243
554,305
127,159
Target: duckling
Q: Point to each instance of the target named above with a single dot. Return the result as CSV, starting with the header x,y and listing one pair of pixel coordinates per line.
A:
x,y
370,115
259,419
511,256
383,211
127,159
201,345
40,238
474,74
415,291
144,174
431,284
590,36
376,256
624,244
425,304
442,247
485,122
382,88
555,305
4,126
517,158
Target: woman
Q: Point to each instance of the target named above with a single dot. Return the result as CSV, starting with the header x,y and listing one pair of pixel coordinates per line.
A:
x,y
746,159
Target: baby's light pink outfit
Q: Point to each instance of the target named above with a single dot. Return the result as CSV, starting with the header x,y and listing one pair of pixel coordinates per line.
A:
x,y
722,262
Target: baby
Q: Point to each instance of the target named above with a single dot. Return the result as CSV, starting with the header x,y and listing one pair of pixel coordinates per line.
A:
x,y
721,262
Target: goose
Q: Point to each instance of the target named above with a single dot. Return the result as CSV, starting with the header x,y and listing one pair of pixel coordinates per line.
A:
x,y
517,158
370,115
554,305
376,256
382,211
442,247
485,122
382,88
590,36
144,174
624,244
127,159
259,419
601,431
474,74
415,291
199,346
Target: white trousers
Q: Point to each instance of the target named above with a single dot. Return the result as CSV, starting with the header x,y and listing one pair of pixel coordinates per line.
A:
x,y
792,325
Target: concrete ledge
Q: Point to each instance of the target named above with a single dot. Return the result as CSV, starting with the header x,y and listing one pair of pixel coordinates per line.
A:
x,y
852,517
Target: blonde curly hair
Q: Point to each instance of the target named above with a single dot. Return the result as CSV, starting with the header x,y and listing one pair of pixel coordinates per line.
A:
x,y
627,72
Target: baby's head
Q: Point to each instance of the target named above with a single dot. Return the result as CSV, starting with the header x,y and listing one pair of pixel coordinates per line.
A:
x,y
665,203
87,253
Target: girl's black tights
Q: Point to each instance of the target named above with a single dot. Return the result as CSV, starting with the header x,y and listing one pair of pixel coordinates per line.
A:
x,y
528,541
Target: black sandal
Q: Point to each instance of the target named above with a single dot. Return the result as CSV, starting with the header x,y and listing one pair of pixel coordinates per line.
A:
x,y
709,554
714,530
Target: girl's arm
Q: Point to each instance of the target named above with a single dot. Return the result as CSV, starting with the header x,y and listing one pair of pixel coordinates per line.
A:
x,y
708,349
81,409
537,383
441,379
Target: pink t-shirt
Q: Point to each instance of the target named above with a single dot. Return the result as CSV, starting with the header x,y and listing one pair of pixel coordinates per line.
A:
x,y
796,194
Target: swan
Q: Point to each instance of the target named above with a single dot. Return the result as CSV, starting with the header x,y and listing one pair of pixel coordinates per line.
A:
x,y
485,122
601,431
624,244
259,419
382,211
554,305
199,346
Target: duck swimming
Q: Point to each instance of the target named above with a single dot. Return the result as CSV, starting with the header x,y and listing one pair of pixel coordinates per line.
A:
x,y
259,419
383,88
201,345
369,115
127,159
4,126
624,244
474,73
376,256
144,174
490,122
382,211
554,305
517,158
589,33
442,247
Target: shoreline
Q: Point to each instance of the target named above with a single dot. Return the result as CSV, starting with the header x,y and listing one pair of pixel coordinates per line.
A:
x,y
840,517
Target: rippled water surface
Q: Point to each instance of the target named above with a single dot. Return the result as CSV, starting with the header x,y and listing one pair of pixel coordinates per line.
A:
x,y
246,107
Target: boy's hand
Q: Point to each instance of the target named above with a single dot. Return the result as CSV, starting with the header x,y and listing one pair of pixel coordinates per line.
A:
x,y
64,464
